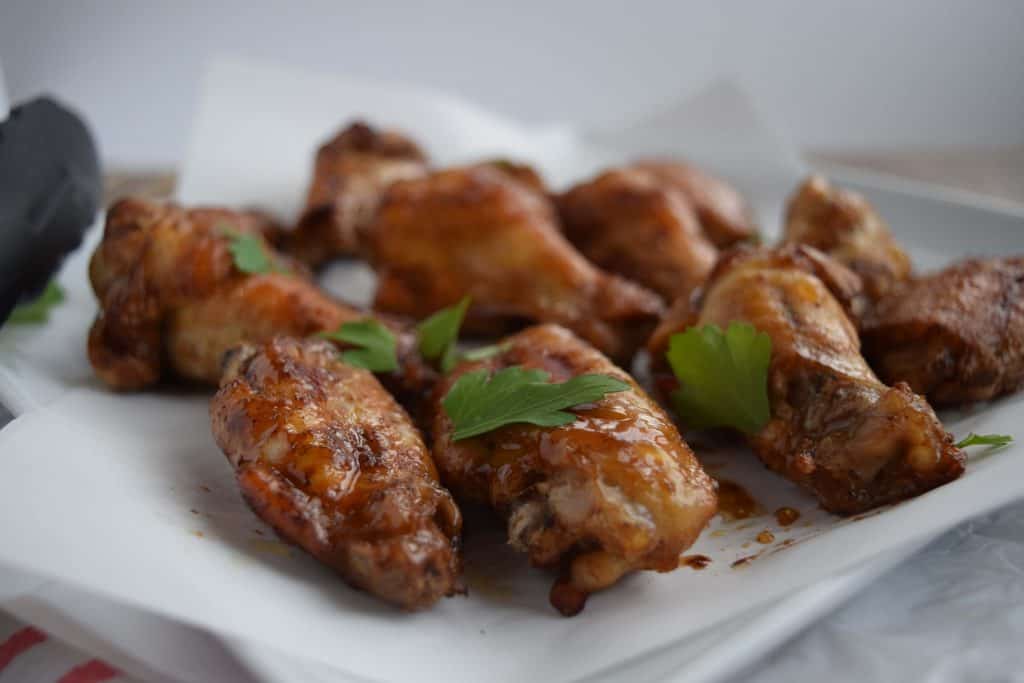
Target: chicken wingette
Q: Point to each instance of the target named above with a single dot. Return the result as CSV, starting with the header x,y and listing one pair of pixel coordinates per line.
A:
x,y
834,428
172,299
476,231
326,456
956,336
615,491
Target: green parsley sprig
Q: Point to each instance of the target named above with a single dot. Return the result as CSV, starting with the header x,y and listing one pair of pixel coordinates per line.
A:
x,y
38,310
439,334
478,403
973,439
376,346
723,376
438,338
250,253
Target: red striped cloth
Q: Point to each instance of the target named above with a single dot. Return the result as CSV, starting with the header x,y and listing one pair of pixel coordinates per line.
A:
x,y
28,655
20,641
93,671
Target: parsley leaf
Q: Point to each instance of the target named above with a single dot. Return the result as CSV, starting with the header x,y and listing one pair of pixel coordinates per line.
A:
x,y
377,346
37,310
478,403
250,253
438,334
723,376
973,439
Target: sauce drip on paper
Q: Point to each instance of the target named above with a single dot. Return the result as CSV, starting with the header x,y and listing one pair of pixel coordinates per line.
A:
x,y
697,562
735,502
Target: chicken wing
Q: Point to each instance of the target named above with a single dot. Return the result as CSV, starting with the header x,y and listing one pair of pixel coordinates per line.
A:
x,y
327,457
351,172
477,232
957,335
835,429
616,491
724,215
172,301
629,222
847,228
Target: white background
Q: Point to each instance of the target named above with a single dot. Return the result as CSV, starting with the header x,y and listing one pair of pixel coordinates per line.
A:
x,y
832,74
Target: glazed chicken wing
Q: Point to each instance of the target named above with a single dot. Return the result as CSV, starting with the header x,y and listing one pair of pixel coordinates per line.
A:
x,y
327,457
835,429
629,222
172,301
724,215
475,231
616,491
847,228
351,172
957,335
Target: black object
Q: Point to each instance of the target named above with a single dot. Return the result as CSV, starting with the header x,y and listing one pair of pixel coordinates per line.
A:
x,y
50,191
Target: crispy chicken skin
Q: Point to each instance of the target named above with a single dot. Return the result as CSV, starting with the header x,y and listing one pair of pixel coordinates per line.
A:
x,y
172,301
327,457
351,171
846,227
475,231
724,214
956,336
629,222
835,429
616,491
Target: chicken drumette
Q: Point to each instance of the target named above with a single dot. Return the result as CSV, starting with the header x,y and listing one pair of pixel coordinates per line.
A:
x,y
846,227
172,300
327,457
957,335
350,173
616,491
476,231
835,429
630,222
